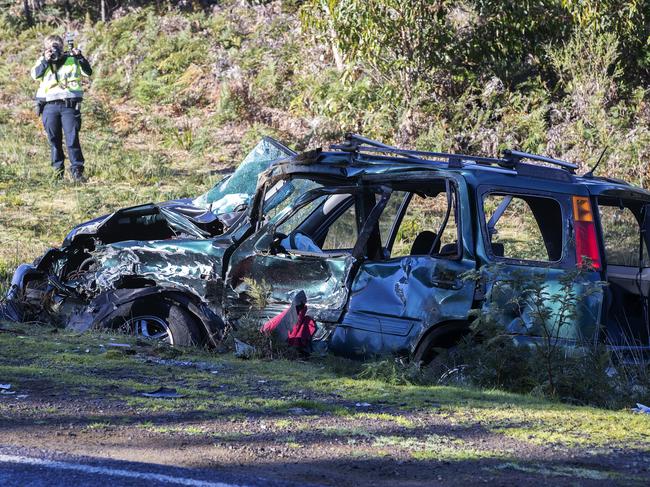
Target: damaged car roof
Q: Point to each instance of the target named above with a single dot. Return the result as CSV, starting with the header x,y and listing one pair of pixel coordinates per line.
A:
x,y
360,156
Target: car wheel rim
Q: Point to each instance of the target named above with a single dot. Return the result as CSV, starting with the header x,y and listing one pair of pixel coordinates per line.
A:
x,y
151,327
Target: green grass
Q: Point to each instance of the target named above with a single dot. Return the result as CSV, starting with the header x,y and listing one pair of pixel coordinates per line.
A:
x,y
77,367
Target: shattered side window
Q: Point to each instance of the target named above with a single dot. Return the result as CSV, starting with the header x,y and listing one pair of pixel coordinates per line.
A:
x,y
283,194
299,216
240,187
524,227
621,233
312,228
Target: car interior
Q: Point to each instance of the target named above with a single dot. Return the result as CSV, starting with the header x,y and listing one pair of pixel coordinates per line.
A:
x,y
524,227
628,272
419,220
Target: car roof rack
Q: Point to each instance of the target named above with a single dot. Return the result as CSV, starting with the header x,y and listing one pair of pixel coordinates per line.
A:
x,y
515,156
512,159
356,143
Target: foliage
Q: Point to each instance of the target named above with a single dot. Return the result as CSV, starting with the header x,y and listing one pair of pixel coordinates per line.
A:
x,y
485,75
391,371
583,374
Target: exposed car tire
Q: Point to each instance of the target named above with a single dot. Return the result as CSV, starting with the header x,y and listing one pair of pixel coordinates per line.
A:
x,y
156,319
425,353
427,350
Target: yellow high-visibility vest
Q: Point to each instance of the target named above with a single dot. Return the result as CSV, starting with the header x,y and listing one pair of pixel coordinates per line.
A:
x,y
62,84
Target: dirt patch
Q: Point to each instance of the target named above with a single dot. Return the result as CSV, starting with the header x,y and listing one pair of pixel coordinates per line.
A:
x,y
290,421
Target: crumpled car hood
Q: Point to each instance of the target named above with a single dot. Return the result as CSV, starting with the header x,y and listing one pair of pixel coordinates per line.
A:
x,y
180,214
205,216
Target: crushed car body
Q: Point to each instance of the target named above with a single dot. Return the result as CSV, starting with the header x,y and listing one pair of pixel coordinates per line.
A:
x,y
155,253
381,241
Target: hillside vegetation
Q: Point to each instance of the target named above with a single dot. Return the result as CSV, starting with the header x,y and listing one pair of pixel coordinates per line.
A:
x,y
182,89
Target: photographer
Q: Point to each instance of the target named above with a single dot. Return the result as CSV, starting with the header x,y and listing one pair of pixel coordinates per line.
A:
x,y
59,101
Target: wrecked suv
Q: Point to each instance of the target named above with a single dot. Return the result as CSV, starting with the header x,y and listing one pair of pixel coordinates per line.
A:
x,y
148,269
381,240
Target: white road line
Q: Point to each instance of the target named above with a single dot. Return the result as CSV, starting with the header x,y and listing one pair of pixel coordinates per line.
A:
x,y
156,477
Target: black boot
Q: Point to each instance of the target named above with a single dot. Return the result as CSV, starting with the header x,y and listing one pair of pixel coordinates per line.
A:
x,y
58,174
78,176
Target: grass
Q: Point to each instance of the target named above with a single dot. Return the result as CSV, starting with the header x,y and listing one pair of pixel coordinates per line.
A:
x,y
268,414
78,368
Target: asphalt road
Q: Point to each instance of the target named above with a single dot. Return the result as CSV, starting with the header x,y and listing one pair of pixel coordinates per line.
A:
x,y
39,468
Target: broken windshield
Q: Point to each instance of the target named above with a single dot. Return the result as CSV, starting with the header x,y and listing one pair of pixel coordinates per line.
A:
x,y
239,188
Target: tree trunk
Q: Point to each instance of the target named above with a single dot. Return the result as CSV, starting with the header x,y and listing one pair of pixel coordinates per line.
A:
x,y
28,13
102,7
334,40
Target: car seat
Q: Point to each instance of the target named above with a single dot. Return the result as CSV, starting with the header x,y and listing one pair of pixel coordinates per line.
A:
x,y
424,242
449,249
498,249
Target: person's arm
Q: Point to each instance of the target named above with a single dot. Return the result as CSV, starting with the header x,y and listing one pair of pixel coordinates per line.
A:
x,y
83,62
85,66
39,68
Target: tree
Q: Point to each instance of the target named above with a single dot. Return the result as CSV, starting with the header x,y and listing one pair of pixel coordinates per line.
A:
x,y
28,13
400,41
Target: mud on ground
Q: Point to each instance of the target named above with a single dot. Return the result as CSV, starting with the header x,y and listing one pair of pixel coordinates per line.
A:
x,y
306,422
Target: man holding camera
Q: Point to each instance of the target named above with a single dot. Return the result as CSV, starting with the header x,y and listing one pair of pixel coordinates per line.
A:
x,y
59,102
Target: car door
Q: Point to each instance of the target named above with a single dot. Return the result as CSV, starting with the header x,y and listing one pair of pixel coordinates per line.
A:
x,y
536,281
292,251
418,283
623,218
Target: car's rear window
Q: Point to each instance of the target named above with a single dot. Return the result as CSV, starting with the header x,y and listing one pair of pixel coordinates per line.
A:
x,y
523,227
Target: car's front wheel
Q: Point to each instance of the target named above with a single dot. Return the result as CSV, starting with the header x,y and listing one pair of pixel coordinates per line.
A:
x,y
157,320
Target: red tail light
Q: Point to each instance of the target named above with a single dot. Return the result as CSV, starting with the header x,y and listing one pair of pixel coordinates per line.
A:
x,y
586,237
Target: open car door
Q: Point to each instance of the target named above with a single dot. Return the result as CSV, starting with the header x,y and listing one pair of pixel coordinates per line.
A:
x,y
312,245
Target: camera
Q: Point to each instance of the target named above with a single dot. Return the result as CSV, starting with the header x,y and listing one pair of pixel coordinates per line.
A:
x,y
69,40
55,53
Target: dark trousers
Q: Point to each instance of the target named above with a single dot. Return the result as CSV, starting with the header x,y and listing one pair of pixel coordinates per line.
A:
x,y
57,120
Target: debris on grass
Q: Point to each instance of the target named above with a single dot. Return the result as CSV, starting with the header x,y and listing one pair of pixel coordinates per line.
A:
x,y
243,350
164,393
183,363
640,408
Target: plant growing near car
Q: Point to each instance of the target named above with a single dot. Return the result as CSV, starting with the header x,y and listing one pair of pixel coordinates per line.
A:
x,y
549,312
554,310
259,291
